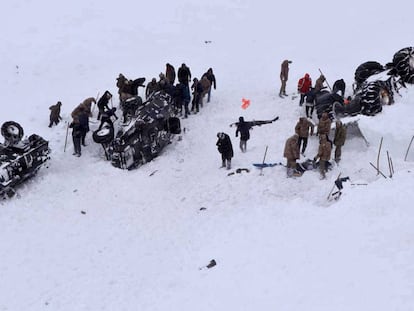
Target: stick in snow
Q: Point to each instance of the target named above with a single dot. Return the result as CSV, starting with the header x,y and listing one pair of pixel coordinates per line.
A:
x,y
264,158
379,151
378,170
408,149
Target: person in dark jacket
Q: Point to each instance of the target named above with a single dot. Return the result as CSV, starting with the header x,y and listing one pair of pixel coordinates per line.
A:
x,y
339,86
310,98
197,88
83,118
170,73
103,103
55,114
243,128
225,148
184,74
76,137
106,118
182,99
212,78
151,87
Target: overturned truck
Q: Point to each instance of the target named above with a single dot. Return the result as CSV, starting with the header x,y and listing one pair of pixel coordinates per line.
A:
x,y
20,158
146,129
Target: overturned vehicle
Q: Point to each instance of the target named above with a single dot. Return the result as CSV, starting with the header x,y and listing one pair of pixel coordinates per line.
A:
x,y
20,158
375,86
146,129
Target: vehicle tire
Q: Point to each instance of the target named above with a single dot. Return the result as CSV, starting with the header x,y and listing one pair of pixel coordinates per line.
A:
x,y
173,125
12,132
365,70
374,95
103,136
403,63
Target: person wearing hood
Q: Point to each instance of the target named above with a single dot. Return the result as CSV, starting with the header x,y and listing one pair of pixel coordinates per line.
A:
x,y
291,153
212,78
324,154
170,73
244,129
55,114
319,83
284,75
225,148
304,85
303,128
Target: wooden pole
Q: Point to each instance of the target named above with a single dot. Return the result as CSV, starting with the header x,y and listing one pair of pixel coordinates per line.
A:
x,y
408,149
326,80
264,158
378,170
66,138
378,157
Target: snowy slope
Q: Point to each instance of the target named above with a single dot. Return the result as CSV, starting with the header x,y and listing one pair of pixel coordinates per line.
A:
x,y
84,235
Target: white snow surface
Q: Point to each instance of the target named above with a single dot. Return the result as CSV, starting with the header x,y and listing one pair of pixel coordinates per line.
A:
x,y
143,242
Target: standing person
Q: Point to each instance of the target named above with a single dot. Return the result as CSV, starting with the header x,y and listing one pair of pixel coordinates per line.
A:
x,y
55,114
197,91
184,74
120,82
170,73
310,102
206,84
319,83
244,129
324,154
84,124
339,139
324,125
304,85
225,148
182,98
76,137
303,128
151,88
212,78
103,103
291,153
284,75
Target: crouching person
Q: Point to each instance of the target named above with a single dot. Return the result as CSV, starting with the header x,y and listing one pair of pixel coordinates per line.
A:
x,y
291,153
324,154
225,148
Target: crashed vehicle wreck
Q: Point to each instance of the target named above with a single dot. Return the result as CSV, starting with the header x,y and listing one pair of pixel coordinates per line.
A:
x,y
374,87
19,159
147,128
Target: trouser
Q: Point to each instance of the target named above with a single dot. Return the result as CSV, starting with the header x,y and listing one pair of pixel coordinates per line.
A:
x,y
53,121
283,88
305,143
322,168
225,162
196,102
291,167
309,111
338,152
302,99
77,145
243,145
208,95
83,138
186,111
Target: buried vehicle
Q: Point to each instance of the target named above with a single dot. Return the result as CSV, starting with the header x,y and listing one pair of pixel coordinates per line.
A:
x,y
19,159
146,129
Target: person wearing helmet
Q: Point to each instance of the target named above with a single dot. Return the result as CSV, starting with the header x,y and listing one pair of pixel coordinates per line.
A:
x,y
225,148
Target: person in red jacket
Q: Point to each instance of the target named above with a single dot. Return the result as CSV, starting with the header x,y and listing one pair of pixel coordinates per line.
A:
x,y
304,86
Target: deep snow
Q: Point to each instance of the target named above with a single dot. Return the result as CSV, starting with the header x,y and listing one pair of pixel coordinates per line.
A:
x,y
141,241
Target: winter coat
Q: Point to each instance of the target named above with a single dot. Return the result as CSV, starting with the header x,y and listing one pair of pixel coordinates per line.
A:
x,y
151,88
84,121
206,84
184,74
244,129
291,152
170,73
120,82
225,147
55,112
304,84
211,77
324,125
324,150
87,103
319,83
284,70
340,134
197,87
104,100
310,98
303,126
76,129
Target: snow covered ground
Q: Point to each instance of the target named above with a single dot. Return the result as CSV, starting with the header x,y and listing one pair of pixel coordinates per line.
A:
x,y
83,235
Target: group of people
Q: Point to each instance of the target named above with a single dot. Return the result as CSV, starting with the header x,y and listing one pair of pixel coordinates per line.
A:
x,y
296,144
181,93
